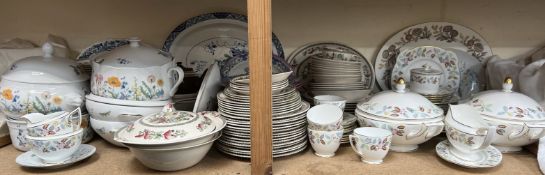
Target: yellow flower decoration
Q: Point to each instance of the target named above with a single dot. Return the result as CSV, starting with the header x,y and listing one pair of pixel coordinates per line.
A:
x,y
7,94
114,82
160,82
57,100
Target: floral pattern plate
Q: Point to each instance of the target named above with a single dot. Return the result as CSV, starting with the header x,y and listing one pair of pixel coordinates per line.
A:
x,y
28,159
490,157
440,34
298,59
436,58
200,41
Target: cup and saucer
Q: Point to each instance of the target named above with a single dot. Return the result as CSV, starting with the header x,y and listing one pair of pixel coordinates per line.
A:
x,y
29,159
469,139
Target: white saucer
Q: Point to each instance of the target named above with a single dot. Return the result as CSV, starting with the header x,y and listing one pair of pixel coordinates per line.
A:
x,y
28,159
490,157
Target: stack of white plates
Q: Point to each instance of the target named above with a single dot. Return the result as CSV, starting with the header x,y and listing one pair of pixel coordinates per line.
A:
x,y
339,77
289,118
184,102
349,124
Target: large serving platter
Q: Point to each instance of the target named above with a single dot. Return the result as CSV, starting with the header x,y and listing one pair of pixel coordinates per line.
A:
x,y
201,40
439,34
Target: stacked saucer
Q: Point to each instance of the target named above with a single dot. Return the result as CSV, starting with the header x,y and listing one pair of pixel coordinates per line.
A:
x,y
349,124
340,77
289,118
442,99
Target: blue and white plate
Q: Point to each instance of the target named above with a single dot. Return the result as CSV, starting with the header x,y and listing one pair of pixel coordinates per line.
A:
x,y
100,47
238,65
200,41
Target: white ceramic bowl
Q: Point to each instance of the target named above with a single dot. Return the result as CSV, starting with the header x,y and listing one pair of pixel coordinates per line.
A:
x,y
121,110
330,99
107,129
55,124
55,149
325,117
173,159
17,133
325,143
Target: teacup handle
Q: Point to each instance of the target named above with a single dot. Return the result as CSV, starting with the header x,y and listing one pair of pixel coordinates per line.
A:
x,y
180,73
490,133
78,110
351,138
412,135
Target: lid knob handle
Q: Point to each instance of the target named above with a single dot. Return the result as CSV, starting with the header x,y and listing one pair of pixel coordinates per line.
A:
x,y
400,85
169,108
47,48
134,42
508,84
427,67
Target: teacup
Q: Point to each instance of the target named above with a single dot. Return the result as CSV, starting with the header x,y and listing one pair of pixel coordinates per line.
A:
x,y
330,99
17,133
54,124
425,80
56,148
467,131
325,143
325,117
371,144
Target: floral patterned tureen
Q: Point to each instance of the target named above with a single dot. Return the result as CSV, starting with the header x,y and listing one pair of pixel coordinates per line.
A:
x,y
519,120
42,84
135,72
168,126
411,117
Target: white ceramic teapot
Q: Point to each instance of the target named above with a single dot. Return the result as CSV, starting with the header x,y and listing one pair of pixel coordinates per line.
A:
x,y
42,84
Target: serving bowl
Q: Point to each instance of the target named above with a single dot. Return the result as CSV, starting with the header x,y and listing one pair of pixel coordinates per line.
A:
x,y
107,109
57,148
135,72
107,129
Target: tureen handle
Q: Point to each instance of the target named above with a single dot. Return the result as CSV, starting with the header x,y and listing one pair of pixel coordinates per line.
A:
x,y
514,135
490,133
180,73
536,131
437,128
412,135
351,138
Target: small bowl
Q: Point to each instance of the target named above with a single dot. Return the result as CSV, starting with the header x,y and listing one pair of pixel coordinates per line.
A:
x,y
57,148
54,124
325,117
107,129
173,159
330,99
17,133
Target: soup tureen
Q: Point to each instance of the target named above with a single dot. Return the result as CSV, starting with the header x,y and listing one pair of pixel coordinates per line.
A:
x,y
42,84
412,118
519,120
135,72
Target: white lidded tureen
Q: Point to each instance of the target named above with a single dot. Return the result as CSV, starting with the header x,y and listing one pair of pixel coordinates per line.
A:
x,y
412,118
135,72
519,120
42,84
168,127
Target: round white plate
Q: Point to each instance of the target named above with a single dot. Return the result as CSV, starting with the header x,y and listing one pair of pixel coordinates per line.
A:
x,y
28,159
440,34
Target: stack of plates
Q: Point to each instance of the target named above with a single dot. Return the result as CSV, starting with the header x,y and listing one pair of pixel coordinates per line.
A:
x,y
349,124
289,118
350,107
184,102
337,77
442,99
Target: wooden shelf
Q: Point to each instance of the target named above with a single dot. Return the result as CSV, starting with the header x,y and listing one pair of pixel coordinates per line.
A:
x,y
114,160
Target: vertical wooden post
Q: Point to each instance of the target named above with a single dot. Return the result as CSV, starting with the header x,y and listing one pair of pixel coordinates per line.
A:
x,y
259,41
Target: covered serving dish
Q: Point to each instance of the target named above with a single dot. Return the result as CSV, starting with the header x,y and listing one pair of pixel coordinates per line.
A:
x,y
412,118
135,72
519,120
42,84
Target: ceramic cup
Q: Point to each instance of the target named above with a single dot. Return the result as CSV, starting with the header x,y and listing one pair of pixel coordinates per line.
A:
x,y
372,144
17,133
325,117
330,99
55,124
425,80
467,132
57,148
325,143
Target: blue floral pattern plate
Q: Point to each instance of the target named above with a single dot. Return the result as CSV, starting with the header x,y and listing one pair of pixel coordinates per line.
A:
x,y
100,47
200,41
439,34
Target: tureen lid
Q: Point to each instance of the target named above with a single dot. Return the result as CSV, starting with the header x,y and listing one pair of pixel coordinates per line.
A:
x,y
135,54
426,70
400,105
46,69
167,126
506,104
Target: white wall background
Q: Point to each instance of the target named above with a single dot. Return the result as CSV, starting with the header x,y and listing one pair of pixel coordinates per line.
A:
x,y
512,28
